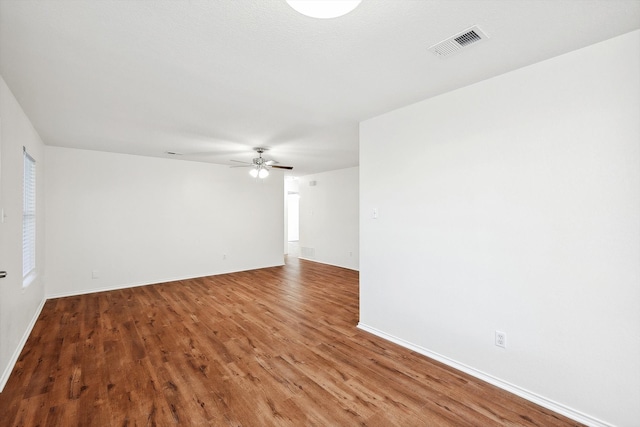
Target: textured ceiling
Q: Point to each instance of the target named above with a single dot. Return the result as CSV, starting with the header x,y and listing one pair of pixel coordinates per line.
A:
x,y
212,79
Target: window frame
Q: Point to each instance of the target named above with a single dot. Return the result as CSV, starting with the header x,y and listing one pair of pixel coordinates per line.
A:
x,y
29,211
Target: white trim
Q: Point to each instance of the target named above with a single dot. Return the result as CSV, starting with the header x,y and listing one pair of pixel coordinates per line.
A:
x,y
328,263
16,354
154,282
526,394
107,288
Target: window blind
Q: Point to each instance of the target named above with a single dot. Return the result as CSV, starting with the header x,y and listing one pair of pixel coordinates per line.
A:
x,y
29,216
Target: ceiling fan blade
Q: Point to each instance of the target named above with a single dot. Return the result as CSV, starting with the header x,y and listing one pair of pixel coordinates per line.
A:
x,y
240,161
282,167
271,162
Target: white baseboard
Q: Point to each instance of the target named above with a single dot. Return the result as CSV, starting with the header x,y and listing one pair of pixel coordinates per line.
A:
x,y
16,354
135,285
533,397
102,289
328,263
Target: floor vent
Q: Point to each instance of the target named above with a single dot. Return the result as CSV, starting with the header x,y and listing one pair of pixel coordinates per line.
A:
x,y
461,40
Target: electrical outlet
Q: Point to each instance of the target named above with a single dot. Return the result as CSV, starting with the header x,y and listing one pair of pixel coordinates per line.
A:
x,y
501,339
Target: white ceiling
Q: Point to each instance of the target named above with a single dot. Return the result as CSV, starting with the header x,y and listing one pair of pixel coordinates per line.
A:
x,y
214,78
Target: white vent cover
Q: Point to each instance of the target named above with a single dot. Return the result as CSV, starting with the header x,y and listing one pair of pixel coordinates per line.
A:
x,y
461,40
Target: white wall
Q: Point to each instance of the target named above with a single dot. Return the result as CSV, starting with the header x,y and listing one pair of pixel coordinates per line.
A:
x,y
19,307
515,207
329,229
138,220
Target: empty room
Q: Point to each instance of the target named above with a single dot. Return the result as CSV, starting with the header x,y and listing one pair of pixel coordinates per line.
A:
x,y
320,213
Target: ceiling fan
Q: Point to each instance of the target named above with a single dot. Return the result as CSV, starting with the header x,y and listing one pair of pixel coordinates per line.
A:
x,y
260,166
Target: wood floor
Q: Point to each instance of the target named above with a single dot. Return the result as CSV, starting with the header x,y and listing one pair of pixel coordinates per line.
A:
x,y
270,347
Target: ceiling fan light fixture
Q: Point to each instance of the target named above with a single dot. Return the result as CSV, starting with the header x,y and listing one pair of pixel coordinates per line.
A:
x,y
259,172
324,9
260,166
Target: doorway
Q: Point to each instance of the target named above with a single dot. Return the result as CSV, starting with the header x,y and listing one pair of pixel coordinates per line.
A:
x,y
293,224
292,217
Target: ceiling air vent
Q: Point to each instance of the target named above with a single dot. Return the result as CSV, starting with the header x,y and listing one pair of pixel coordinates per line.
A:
x,y
461,40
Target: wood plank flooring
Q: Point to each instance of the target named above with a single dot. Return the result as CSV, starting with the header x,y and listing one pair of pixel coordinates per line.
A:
x,y
270,347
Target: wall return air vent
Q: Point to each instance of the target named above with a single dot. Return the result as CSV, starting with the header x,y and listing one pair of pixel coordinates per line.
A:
x,y
464,39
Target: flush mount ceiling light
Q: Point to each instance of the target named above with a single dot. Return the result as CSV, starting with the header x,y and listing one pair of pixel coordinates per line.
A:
x,y
324,9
